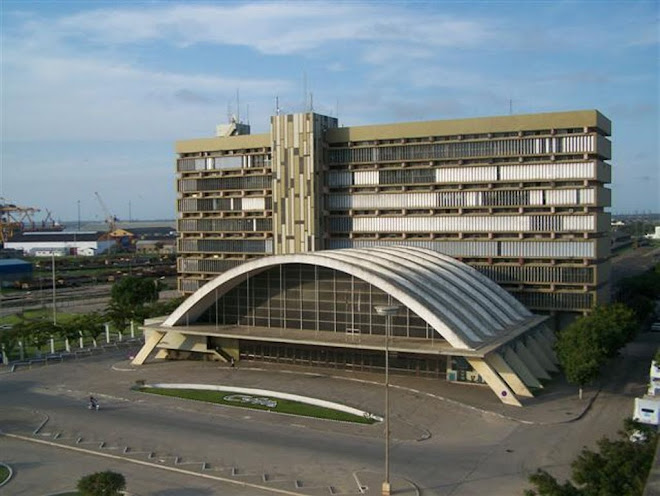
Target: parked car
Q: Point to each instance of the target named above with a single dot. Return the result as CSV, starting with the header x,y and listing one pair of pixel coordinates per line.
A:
x,y
655,327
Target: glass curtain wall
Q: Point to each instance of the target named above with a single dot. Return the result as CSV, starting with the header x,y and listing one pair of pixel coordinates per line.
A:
x,y
311,298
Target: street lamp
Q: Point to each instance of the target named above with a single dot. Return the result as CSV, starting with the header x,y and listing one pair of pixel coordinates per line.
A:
x,y
388,311
54,284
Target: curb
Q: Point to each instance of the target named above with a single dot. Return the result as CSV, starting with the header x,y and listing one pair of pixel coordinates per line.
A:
x,y
154,465
275,394
11,474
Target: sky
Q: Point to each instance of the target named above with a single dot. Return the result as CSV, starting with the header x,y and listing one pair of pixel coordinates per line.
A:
x,y
94,94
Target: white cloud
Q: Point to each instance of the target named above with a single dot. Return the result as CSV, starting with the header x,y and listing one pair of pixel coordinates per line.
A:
x,y
57,97
269,27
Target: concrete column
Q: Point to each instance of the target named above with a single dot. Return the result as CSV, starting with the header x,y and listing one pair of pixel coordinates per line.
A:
x,y
52,346
107,332
82,344
67,345
532,363
132,329
499,387
5,358
498,363
21,350
119,336
521,369
150,342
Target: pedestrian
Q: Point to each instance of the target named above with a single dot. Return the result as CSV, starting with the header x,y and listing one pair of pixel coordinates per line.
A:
x,y
232,362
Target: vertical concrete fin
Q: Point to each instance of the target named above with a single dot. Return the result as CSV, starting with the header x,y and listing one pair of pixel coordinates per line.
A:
x,y
152,338
499,387
496,361
548,334
545,356
548,344
532,363
521,369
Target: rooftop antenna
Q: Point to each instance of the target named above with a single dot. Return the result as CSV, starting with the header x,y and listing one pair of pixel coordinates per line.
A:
x,y
304,91
337,110
510,106
277,105
311,102
238,107
228,111
248,114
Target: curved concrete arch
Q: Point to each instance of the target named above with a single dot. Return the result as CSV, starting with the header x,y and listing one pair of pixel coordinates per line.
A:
x,y
413,289
464,320
452,310
197,303
500,295
487,298
463,297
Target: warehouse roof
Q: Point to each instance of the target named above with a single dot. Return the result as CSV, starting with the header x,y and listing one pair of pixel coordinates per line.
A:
x,y
465,307
60,237
13,262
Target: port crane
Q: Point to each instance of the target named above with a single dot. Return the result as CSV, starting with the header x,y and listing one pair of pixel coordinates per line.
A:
x,y
110,219
15,219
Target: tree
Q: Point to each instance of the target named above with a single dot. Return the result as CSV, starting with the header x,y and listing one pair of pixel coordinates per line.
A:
x,y
91,324
134,291
106,483
580,353
640,292
618,467
8,342
614,325
547,485
128,299
158,308
583,346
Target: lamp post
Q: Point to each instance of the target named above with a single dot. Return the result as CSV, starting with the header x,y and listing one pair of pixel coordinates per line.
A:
x,y
388,311
54,300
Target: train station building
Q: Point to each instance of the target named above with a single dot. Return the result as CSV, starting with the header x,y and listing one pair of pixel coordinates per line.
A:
x,y
290,239
323,309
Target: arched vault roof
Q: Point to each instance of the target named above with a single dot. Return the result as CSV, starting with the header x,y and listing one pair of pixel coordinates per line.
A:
x,y
466,308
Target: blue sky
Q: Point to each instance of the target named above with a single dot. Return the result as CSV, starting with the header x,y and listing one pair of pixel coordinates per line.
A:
x,y
94,94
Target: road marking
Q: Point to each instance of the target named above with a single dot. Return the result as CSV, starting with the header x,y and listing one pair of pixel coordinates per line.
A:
x,y
155,465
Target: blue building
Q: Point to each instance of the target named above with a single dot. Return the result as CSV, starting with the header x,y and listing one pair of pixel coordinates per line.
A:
x,y
13,269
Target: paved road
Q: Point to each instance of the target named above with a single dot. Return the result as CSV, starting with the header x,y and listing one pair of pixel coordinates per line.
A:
x,y
442,447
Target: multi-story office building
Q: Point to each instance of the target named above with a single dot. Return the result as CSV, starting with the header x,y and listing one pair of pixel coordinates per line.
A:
x,y
521,198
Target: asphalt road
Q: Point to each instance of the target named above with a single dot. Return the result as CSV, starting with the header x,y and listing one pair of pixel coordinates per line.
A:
x,y
439,447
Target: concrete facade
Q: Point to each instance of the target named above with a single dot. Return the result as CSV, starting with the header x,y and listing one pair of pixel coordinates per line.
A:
x,y
521,198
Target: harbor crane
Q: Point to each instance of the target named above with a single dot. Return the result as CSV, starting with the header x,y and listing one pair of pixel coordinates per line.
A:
x,y
15,219
110,219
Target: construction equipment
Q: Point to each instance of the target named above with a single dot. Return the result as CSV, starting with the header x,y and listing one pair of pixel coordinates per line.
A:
x,y
110,219
15,219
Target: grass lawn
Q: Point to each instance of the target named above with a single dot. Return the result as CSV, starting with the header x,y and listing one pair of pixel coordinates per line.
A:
x,y
45,314
4,473
282,406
